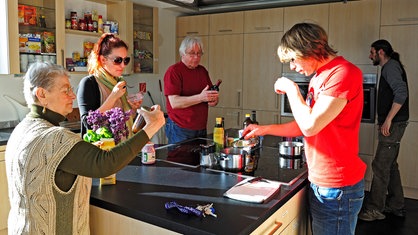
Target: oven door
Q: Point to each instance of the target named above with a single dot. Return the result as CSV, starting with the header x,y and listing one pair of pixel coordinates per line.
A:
x,y
285,109
369,105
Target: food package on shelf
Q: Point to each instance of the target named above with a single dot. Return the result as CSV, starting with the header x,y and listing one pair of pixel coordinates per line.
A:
x,y
87,47
30,42
48,42
26,15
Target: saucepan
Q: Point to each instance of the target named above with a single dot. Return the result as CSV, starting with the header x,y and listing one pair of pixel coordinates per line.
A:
x,y
290,148
233,159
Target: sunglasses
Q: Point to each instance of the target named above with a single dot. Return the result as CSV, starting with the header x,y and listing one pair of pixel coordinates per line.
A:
x,y
118,60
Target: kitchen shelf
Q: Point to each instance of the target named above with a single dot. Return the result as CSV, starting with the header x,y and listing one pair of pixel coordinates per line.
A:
x,y
84,33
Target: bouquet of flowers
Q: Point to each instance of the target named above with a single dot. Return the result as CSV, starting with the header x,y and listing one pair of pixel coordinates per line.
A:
x,y
110,124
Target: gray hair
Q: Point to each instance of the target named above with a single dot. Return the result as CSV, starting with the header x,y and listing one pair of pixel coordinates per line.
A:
x,y
188,43
40,74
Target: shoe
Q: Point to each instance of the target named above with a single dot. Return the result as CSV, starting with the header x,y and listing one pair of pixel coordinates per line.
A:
x,y
371,215
395,212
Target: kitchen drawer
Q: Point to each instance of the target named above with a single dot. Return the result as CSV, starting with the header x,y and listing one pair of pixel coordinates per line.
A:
x,y
281,219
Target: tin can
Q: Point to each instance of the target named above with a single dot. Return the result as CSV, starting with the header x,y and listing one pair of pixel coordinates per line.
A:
x,y
68,23
148,154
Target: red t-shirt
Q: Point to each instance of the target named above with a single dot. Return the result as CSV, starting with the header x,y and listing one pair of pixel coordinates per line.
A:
x,y
182,81
332,154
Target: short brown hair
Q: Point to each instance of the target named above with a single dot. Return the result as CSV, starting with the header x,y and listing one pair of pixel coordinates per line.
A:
x,y
305,40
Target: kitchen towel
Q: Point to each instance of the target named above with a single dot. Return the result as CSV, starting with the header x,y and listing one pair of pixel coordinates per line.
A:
x,y
256,190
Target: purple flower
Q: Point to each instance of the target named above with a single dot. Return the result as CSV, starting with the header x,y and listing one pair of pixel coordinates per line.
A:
x,y
114,119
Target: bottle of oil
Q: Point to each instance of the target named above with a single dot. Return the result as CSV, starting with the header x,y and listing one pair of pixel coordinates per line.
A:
x,y
219,134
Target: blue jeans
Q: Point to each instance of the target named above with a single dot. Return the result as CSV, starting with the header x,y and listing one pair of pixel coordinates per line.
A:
x,y
177,134
334,210
386,176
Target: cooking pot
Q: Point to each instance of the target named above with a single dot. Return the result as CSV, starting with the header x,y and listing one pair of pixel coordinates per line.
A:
x,y
290,148
286,162
233,159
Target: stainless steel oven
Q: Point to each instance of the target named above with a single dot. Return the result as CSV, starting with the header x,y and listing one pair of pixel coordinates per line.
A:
x,y
369,91
303,83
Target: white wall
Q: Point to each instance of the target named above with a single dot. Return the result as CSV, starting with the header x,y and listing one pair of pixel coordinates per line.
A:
x,y
12,86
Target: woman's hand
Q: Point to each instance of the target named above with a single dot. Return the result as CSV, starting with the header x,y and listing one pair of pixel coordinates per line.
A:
x,y
119,90
254,130
282,85
154,120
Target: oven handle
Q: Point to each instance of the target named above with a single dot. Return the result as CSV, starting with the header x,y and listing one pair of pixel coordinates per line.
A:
x,y
372,100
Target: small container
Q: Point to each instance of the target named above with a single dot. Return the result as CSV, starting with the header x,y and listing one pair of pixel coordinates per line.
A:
x,y
148,154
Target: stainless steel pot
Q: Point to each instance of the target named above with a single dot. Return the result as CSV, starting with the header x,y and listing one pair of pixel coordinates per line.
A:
x,y
233,159
290,148
290,162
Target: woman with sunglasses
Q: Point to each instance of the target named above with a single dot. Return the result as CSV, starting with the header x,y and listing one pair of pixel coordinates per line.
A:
x,y
105,87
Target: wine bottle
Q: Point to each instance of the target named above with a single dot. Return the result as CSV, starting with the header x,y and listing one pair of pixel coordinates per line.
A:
x,y
247,121
216,86
254,117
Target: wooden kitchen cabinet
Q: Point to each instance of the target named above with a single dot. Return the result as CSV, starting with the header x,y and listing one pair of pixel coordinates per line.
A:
x,y
291,218
104,222
407,47
353,26
408,161
145,38
399,12
4,195
264,117
225,62
233,118
309,14
192,25
226,23
261,69
367,137
53,10
265,20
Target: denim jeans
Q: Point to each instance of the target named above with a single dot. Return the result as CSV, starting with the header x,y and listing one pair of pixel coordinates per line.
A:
x,y
386,176
177,134
334,210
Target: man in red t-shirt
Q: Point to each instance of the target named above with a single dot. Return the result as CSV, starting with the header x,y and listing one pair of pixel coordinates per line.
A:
x,y
188,95
329,119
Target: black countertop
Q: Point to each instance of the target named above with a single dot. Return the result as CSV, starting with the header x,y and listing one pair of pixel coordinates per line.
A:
x,y
141,192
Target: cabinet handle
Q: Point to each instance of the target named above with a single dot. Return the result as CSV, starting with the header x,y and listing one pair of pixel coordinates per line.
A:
x,y
239,100
192,32
278,224
238,122
62,58
224,30
262,28
408,19
276,102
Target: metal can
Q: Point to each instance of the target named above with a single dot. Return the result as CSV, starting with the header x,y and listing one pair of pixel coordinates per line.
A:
x,y
148,154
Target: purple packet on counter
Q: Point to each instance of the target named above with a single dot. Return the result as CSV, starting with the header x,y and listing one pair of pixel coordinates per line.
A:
x,y
183,209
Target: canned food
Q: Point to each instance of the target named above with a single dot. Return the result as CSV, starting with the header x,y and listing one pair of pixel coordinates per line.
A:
x,y
148,154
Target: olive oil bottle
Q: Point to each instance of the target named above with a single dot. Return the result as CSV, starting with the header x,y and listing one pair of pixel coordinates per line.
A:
x,y
219,134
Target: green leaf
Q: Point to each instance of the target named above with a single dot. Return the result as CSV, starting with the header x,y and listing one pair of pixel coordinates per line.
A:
x,y
104,132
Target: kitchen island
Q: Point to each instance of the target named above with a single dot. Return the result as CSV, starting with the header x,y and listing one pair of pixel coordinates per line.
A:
x,y
135,204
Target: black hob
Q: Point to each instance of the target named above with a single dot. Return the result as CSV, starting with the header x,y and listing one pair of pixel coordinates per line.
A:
x,y
267,159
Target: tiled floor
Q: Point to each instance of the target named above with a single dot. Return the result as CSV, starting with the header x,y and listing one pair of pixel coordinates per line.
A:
x,y
393,225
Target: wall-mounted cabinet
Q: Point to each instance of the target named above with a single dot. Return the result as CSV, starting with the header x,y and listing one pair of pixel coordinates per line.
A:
x,y
145,38
266,20
226,23
33,33
400,12
352,38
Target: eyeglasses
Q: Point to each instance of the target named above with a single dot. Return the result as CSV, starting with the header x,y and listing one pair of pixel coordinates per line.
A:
x,y
69,90
118,60
193,54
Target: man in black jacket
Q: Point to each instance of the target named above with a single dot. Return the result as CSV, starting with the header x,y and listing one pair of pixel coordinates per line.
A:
x,y
392,117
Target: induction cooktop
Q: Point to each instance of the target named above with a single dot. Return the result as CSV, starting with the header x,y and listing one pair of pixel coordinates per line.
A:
x,y
187,154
